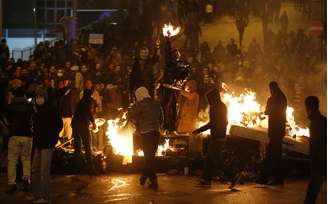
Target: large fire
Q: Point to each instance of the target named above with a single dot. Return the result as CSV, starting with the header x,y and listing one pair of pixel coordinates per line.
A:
x,y
120,135
243,110
294,129
161,149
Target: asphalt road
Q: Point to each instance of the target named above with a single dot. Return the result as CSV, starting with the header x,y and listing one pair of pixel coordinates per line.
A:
x,y
174,189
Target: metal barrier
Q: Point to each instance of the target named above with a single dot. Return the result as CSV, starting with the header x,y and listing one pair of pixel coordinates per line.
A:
x,y
25,53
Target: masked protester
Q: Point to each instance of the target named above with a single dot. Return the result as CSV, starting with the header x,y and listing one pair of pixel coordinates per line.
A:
x,y
148,117
143,70
218,126
177,71
276,110
318,148
83,116
20,142
47,124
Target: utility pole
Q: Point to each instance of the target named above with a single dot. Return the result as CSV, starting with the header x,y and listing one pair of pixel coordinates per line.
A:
x,y
35,24
74,8
73,25
1,15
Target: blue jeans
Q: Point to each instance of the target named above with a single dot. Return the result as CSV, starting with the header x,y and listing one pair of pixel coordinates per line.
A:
x,y
41,178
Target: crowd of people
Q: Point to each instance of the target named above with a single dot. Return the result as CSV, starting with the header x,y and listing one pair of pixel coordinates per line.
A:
x,y
63,88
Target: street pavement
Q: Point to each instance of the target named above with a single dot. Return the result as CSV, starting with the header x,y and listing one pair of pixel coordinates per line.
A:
x,y
224,28
173,189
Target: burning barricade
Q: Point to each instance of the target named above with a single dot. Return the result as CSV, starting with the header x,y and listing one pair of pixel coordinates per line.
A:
x,y
247,128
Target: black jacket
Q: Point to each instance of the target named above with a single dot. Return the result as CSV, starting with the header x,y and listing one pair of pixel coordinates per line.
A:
x,y
318,140
84,110
142,77
4,55
276,110
47,124
66,102
19,115
218,121
176,69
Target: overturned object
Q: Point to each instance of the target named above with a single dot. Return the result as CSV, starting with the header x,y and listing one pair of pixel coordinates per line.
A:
x,y
297,144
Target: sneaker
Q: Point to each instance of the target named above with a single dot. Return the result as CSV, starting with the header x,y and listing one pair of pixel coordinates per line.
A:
x,y
41,200
142,180
11,189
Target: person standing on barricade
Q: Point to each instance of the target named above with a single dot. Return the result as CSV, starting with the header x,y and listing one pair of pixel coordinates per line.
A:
x,y
83,116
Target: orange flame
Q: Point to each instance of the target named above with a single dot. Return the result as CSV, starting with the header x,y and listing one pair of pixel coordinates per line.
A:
x,y
244,110
170,31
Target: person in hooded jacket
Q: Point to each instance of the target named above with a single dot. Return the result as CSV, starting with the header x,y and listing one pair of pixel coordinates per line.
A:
x,y
276,110
19,114
218,126
147,115
318,149
46,125
82,118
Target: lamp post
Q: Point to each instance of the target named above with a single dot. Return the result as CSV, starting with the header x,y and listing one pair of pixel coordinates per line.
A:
x,y
35,24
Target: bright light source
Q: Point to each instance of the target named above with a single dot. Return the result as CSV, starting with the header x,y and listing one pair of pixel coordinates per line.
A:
x,y
169,30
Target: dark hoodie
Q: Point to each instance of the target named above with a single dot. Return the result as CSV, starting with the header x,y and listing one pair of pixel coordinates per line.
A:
x,y
218,116
47,124
66,102
84,109
318,139
276,110
19,115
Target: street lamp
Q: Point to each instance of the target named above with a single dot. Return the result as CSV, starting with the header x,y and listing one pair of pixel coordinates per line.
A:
x,y
35,25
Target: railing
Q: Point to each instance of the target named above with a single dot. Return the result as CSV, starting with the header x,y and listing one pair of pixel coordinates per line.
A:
x,y
25,53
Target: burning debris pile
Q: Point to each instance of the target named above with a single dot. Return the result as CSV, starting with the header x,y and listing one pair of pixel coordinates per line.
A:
x,y
245,111
120,135
245,114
